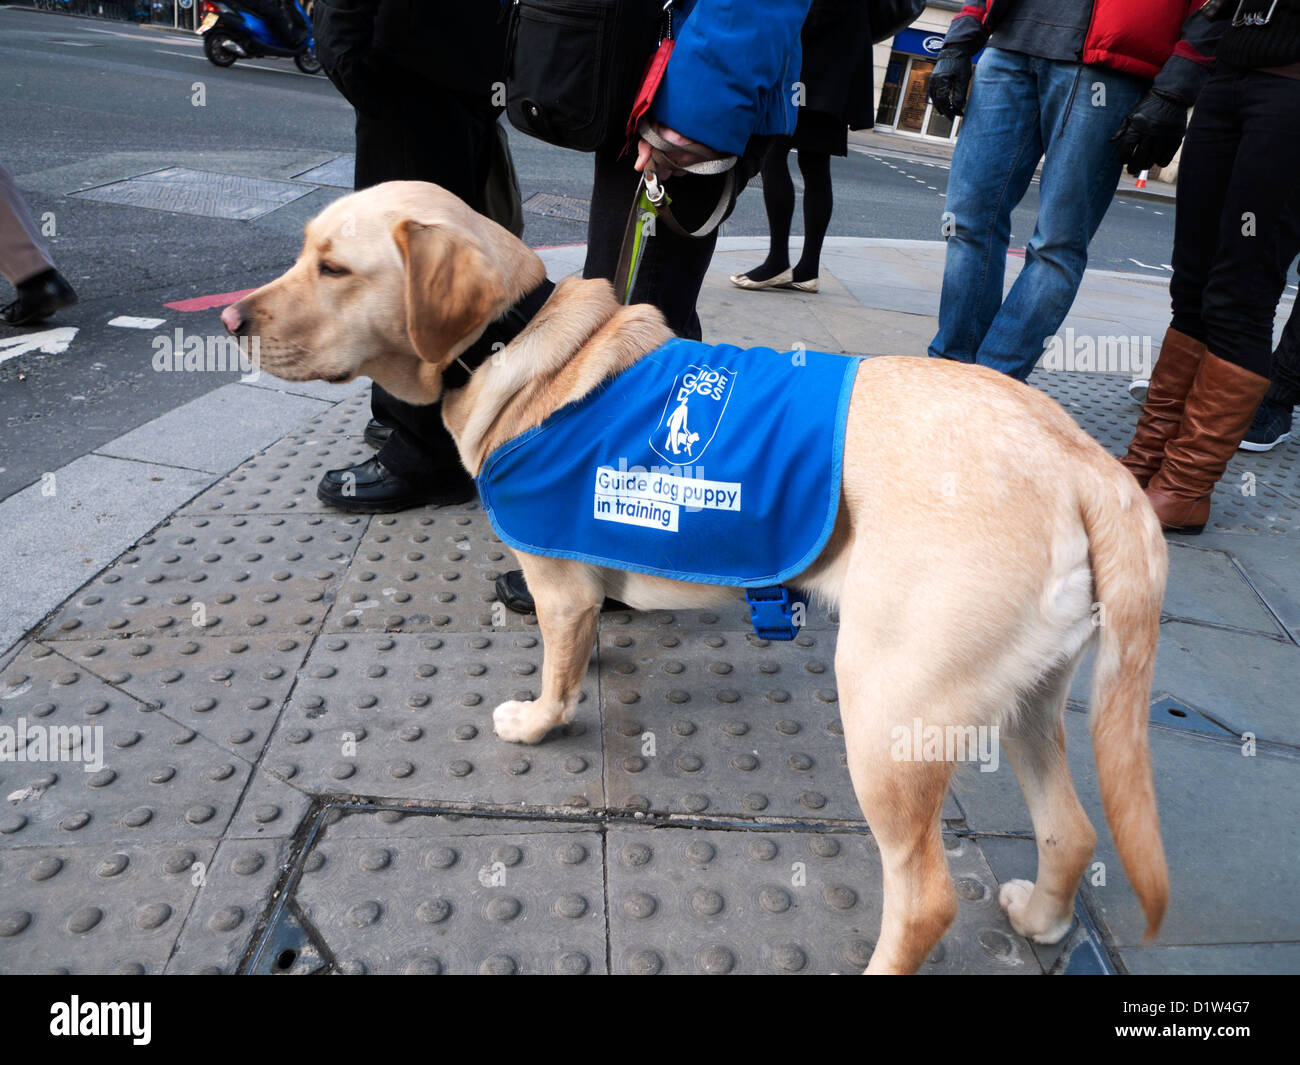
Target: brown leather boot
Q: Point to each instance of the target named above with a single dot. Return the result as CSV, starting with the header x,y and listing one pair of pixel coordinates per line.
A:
x,y
1217,413
1162,413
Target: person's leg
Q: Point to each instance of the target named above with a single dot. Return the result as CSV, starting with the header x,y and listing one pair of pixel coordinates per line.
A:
x,y
672,266
818,202
778,202
25,261
418,462
1284,389
1258,238
454,152
1080,108
994,160
1208,151
23,251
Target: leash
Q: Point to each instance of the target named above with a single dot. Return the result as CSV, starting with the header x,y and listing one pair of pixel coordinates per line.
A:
x,y
652,204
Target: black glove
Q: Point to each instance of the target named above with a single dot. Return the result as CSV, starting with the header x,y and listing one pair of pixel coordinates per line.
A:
x,y
1151,133
950,81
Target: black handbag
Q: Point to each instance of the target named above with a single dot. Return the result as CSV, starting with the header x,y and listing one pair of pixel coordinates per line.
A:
x,y
573,67
888,17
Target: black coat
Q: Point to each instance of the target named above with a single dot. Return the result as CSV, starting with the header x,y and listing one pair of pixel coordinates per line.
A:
x,y
837,62
379,52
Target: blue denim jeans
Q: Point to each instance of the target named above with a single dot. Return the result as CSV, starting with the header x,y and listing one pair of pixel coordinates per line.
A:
x,y
1022,109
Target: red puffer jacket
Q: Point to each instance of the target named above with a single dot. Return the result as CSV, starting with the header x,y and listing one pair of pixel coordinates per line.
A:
x,y
1132,36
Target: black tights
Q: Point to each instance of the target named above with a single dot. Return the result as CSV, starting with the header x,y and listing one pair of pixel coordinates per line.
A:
x,y
778,198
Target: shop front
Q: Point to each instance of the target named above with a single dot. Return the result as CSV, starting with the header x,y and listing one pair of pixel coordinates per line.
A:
x,y
904,106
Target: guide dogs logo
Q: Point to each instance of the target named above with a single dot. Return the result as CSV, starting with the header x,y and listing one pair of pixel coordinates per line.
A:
x,y
692,413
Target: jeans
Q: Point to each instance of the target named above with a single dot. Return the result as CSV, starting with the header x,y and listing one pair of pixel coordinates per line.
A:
x,y
1022,109
1237,225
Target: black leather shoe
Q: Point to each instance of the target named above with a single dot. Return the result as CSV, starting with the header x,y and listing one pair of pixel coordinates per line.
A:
x,y
372,488
39,297
513,591
377,434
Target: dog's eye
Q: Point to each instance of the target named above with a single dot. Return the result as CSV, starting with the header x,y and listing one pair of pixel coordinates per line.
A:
x,y
332,271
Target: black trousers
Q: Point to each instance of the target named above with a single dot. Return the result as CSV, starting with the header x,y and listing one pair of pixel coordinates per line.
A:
x,y
1237,227
672,266
1284,386
433,137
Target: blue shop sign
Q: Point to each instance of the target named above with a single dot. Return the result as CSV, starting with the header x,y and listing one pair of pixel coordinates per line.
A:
x,y
925,43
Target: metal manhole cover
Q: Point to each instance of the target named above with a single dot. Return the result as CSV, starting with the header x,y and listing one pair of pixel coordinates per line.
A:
x,y
186,191
551,206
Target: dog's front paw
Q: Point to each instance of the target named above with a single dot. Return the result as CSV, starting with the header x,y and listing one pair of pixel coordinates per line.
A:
x,y
1014,897
521,722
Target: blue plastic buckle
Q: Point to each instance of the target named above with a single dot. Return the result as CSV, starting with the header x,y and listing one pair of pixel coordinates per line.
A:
x,y
772,612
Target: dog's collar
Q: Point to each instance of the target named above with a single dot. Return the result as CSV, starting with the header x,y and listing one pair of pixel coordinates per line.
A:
x,y
497,335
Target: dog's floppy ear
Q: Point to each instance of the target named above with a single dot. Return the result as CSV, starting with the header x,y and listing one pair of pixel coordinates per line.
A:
x,y
452,289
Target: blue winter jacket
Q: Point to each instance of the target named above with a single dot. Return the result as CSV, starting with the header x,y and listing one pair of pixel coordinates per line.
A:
x,y
733,70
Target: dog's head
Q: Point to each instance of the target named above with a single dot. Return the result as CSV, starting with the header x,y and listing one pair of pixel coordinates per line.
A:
x,y
393,283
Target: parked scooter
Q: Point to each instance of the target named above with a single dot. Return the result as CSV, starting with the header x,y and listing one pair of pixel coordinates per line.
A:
x,y
232,32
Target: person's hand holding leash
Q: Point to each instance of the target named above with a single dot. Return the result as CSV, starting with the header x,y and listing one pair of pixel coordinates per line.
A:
x,y
687,153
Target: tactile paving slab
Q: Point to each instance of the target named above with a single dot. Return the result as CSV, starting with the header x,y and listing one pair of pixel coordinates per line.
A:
x,y
283,478
217,576
108,908
429,570
410,716
724,723
715,902
232,891
159,780
228,688
465,896
1260,492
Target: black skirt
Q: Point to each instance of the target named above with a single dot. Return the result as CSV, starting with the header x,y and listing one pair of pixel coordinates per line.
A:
x,y
819,131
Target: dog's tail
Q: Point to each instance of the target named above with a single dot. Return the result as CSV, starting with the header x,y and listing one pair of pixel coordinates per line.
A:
x,y
1129,564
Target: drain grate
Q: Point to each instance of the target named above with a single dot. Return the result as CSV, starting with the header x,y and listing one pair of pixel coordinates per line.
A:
x,y
548,205
184,191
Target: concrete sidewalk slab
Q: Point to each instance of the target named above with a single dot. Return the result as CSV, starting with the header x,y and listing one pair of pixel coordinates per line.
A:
x,y
51,543
218,430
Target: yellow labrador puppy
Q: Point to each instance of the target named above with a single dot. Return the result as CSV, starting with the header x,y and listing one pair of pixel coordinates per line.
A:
x,y
966,607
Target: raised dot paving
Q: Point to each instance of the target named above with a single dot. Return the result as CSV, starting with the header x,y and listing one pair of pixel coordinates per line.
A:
x,y
217,577
410,716
283,478
466,896
714,902
96,908
429,570
157,779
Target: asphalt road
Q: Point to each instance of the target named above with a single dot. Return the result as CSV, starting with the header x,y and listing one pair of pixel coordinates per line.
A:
x,y
89,102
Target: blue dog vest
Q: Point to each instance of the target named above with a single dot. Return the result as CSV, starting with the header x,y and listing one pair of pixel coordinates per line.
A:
x,y
703,463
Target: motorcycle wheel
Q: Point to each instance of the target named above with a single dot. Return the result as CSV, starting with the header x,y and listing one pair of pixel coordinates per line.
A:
x,y
307,61
214,47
